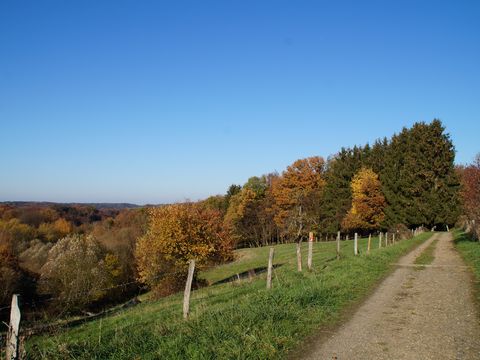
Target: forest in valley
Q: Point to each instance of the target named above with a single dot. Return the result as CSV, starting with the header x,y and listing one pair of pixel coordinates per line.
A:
x,y
69,259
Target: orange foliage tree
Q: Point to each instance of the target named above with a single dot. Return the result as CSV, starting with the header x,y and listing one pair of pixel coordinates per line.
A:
x,y
471,189
470,193
297,194
368,202
176,234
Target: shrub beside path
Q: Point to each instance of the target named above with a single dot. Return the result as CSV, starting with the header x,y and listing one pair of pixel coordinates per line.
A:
x,y
416,313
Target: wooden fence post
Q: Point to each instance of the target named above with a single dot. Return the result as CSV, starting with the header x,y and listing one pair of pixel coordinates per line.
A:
x,y
369,243
355,244
299,256
386,239
380,239
338,245
13,330
448,229
269,269
310,251
188,288
393,239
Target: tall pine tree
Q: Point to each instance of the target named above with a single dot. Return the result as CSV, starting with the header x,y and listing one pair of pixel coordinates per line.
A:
x,y
420,183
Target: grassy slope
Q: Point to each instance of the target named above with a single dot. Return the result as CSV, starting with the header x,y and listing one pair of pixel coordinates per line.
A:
x,y
285,254
470,251
234,321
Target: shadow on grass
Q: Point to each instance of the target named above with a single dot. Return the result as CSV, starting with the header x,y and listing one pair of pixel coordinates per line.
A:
x,y
464,237
249,274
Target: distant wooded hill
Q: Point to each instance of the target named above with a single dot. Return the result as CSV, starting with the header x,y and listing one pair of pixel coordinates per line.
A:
x,y
118,206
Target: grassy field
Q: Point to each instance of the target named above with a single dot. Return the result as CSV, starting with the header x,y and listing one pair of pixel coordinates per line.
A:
x,y
285,254
470,251
235,320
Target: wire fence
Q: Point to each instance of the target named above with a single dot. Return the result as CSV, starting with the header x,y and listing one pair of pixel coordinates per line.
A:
x,y
200,296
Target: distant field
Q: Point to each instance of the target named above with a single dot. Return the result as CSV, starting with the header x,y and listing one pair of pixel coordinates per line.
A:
x,y
235,320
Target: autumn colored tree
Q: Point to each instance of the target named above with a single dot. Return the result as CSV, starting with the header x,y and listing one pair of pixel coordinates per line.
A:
x,y
35,255
297,196
16,234
14,238
56,230
337,195
78,272
470,192
471,189
368,203
119,236
248,217
176,234
10,276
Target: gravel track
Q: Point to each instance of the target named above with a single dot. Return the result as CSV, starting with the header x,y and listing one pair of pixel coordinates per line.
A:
x,y
415,313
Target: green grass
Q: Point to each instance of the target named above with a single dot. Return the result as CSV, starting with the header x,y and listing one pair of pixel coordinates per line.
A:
x,y
235,321
285,254
427,257
469,249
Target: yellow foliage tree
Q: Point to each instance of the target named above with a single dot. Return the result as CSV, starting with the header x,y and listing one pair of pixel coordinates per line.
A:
x,y
368,202
56,230
176,234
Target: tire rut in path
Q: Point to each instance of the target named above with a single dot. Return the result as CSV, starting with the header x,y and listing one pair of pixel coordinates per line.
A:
x,y
426,313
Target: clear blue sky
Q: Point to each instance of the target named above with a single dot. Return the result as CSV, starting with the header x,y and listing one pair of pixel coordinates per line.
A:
x,y
156,101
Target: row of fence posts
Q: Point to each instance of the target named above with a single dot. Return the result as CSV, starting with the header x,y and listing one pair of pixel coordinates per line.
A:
x,y
310,251
14,326
382,236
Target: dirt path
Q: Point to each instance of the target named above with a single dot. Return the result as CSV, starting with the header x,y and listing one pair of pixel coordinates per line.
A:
x,y
414,314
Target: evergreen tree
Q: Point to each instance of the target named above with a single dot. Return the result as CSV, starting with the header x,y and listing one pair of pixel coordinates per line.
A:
x,y
420,183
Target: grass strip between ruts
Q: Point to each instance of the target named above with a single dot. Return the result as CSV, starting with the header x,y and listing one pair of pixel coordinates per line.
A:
x,y
427,257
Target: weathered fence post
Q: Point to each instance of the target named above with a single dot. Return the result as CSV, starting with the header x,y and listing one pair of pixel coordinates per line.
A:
x,y
448,229
13,330
369,243
188,288
355,244
299,256
380,239
338,245
386,239
393,239
310,251
269,269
